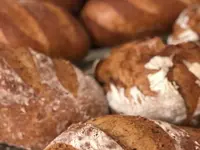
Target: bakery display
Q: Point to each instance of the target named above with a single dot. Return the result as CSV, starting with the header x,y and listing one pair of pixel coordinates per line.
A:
x,y
43,26
126,133
150,79
40,97
186,27
113,22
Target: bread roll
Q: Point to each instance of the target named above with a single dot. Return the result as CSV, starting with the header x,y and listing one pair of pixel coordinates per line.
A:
x,y
126,133
43,26
111,22
186,27
150,79
40,97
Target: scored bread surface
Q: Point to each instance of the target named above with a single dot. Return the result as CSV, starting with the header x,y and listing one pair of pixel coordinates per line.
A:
x,y
38,102
127,133
162,84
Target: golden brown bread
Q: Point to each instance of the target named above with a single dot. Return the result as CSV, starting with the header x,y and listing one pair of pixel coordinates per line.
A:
x,y
186,27
111,22
40,97
126,133
153,80
43,26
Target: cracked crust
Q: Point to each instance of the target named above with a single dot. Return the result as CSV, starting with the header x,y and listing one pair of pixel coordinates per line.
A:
x,y
131,133
126,68
38,102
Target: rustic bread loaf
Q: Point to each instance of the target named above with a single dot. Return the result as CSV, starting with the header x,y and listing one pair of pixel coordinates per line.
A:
x,y
126,133
111,22
186,27
40,97
153,80
43,26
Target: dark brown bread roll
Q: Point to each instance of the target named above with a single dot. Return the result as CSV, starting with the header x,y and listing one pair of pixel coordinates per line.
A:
x,y
186,27
153,80
111,22
126,133
40,97
43,26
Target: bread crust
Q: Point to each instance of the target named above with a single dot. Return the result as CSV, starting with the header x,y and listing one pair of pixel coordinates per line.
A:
x,y
38,101
133,77
130,133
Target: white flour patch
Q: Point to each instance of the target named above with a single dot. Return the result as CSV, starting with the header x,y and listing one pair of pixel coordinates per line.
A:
x,y
167,105
86,137
13,90
177,134
187,34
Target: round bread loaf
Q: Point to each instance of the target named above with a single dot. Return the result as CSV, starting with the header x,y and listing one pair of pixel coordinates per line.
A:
x,y
150,79
111,22
43,26
126,133
186,27
40,97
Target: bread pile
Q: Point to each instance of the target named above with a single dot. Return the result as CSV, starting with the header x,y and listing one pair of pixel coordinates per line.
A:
x,y
48,102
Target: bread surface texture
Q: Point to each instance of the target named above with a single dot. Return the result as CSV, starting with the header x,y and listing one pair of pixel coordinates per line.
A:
x,y
150,79
126,133
40,97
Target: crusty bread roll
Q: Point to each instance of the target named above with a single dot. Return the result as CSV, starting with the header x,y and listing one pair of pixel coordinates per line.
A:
x,y
153,80
126,133
43,26
186,27
111,22
40,97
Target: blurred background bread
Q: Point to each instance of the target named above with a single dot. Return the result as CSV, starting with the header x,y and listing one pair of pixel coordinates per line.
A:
x,y
111,22
40,97
43,26
126,133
